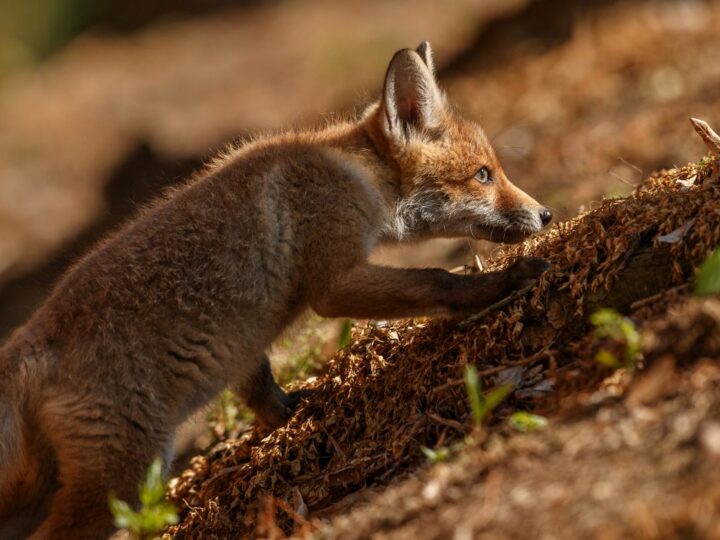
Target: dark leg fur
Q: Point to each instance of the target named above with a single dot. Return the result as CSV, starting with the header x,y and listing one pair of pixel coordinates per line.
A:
x,y
271,405
377,292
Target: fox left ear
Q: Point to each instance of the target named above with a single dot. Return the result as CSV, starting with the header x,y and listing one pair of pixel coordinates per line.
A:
x,y
411,97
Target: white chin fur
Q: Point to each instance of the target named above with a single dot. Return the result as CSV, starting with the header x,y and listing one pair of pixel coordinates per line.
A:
x,y
431,213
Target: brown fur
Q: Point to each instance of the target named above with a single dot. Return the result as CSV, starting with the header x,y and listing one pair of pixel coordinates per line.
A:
x,y
184,300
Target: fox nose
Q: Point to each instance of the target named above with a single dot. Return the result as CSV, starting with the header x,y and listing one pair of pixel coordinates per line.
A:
x,y
545,216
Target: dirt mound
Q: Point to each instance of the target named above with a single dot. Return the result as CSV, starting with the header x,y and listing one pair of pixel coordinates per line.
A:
x,y
641,467
399,386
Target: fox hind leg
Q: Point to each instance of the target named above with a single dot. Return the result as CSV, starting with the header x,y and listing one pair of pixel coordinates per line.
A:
x,y
94,458
271,405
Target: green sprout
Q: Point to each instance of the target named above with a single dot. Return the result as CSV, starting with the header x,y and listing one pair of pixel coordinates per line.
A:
x,y
345,334
436,456
707,282
155,512
610,325
525,421
481,405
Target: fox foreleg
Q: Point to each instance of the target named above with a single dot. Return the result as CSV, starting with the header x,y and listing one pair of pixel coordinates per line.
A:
x,y
378,292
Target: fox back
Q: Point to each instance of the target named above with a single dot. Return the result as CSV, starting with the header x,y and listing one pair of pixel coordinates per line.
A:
x,y
185,299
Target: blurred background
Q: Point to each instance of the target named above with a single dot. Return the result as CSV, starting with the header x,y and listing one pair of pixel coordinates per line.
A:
x,y
103,103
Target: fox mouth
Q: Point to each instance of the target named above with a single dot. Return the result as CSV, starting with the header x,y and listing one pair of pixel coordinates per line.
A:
x,y
502,235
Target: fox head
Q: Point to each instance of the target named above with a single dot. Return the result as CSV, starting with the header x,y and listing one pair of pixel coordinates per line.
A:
x,y
451,182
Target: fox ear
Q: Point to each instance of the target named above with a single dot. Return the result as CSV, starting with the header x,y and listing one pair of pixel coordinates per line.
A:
x,y
425,52
411,97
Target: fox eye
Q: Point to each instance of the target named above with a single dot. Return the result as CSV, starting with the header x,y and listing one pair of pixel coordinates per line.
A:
x,y
483,176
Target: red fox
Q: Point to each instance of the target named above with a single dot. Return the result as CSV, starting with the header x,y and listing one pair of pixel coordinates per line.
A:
x,y
185,299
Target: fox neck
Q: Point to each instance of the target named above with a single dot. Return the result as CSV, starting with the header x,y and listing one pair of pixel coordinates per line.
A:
x,y
364,143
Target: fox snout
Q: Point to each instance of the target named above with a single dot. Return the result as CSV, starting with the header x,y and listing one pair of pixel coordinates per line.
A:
x,y
514,227
515,215
504,215
519,225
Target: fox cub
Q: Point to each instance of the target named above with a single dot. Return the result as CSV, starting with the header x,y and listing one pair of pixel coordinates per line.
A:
x,y
185,300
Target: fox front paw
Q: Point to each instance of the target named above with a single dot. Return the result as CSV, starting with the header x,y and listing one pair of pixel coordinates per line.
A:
x,y
525,270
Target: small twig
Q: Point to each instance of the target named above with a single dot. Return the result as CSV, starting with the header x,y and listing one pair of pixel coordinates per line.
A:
x,y
709,137
493,370
650,299
621,179
225,471
631,165
462,270
447,422
497,305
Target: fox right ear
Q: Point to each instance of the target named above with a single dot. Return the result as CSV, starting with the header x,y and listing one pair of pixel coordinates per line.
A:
x,y
425,52
411,97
